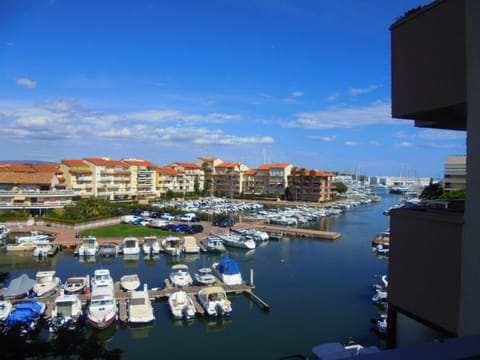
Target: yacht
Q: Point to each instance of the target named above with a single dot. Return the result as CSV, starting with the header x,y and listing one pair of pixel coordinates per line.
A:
x,y
102,310
46,283
130,246
89,246
102,279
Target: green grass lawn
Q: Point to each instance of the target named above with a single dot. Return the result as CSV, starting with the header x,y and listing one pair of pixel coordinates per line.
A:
x,y
124,230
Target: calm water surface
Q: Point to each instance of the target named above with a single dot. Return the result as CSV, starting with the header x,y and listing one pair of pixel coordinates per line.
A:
x,y
318,291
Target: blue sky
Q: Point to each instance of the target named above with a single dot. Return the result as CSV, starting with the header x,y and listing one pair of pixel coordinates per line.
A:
x,y
303,81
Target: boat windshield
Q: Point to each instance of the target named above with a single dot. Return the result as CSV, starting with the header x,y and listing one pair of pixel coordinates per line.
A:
x,y
102,302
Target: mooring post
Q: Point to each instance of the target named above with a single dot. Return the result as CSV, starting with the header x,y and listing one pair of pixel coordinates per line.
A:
x,y
251,277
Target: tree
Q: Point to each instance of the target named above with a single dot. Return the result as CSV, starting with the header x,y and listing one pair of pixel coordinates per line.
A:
x,y
206,170
95,207
341,187
432,191
312,175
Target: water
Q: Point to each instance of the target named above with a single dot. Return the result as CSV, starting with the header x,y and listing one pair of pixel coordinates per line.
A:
x,y
318,291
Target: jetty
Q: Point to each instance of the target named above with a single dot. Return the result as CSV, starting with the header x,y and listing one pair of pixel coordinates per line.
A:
x,y
279,231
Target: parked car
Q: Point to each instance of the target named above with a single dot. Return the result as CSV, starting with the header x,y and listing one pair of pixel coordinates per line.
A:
x,y
169,227
223,222
182,228
189,217
167,216
196,228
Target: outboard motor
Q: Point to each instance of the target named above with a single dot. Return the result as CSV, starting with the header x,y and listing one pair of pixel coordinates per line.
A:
x,y
219,309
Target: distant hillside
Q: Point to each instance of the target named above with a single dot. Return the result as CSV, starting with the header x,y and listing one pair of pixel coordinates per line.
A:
x,y
27,161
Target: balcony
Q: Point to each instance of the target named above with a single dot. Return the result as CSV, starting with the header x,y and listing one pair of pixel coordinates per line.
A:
x,y
421,284
429,66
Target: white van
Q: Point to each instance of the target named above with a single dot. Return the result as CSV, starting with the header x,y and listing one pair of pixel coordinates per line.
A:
x,y
188,217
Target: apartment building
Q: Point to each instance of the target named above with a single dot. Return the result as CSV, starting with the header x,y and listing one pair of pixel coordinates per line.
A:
x,y
111,178
455,173
309,185
169,179
433,289
268,179
208,165
78,177
142,178
194,176
228,178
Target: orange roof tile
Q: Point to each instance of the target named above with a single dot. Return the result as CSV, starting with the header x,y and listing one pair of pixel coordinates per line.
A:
x,y
74,163
106,162
23,178
273,166
188,165
168,170
139,162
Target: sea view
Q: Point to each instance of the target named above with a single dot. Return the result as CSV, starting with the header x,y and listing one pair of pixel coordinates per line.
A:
x,y
318,291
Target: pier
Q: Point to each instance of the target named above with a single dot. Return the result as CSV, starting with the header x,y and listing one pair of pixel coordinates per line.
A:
x,y
279,231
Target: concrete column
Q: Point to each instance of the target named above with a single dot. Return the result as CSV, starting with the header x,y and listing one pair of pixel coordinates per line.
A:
x,y
469,308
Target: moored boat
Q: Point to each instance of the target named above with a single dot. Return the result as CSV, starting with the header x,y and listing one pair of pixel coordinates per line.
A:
x,y
140,310
102,309
205,277
23,246
108,250
172,245
238,241
181,305
227,270
213,244
75,285
102,279
5,309
66,312
33,237
89,246
150,245
130,282
43,248
46,283
25,315
179,276
130,246
214,300
4,232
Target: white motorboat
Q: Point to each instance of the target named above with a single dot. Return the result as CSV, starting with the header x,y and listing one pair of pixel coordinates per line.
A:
x,y
43,248
205,277
75,285
130,246
33,237
102,279
227,270
190,245
150,245
23,246
213,244
66,311
214,300
46,283
130,282
4,232
102,309
89,246
181,305
238,241
5,309
172,245
179,276
140,310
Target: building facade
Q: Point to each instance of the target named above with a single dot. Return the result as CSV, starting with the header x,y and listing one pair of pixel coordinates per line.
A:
x,y
455,174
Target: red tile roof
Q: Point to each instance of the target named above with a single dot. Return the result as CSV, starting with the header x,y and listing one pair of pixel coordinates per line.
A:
x,y
187,165
106,162
139,162
168,170
273,166
75,163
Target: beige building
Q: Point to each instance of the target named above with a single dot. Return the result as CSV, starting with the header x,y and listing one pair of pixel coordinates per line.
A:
x,y
142,179
111,178
228,179
169,178
78,177
268,179
434,271
455,174
310,185
193,176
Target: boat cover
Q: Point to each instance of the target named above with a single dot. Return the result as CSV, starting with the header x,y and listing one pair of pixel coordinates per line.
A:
x,y
19,286
331,351
228,267
25,312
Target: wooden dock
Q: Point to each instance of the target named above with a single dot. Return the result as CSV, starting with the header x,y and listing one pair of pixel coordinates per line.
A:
x,y
286,231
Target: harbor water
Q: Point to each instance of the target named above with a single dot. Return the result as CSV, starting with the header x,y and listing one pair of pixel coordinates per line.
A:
x,y
318,291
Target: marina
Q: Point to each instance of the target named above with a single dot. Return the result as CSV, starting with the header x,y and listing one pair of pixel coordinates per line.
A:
x,y
289,273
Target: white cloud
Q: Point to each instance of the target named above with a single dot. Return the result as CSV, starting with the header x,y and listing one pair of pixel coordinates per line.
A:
x,y
405,144
297,94
374,142
27,83
333,96
351,143
361,91
343,117
325,138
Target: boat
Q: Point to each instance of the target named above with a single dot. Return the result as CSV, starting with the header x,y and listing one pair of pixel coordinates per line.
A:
x,y
26,315
380,325
23,246
140,310
227,270
5,309
130,246
75,285
130,282
150,245
66,312
190,245
205,277
214,300
33,237
46,283
89,246
238,241
19,287
108,250
380,297
181,305
102,279
43,248
213,244
4,232
102,309
179,276
171,245
256,235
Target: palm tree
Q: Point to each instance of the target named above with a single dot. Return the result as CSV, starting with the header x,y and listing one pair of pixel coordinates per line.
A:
x,y
94,207
206,170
